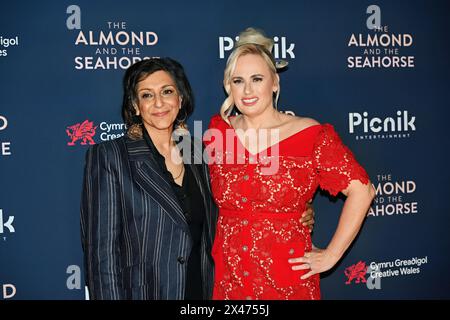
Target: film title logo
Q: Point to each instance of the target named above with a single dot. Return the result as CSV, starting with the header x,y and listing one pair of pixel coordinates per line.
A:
x,y
5,146
114,48
9,291
393,197
379,48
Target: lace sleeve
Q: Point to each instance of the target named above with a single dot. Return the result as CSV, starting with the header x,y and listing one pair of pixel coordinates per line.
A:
x,y
335,163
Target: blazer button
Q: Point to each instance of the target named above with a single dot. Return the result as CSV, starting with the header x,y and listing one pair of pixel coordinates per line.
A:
x,y
181,260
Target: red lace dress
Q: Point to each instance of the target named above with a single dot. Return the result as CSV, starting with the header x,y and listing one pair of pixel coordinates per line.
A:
x,y
258,228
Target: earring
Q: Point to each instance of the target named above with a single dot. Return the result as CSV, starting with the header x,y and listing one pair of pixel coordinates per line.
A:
x,y
185,116
135,130
181,127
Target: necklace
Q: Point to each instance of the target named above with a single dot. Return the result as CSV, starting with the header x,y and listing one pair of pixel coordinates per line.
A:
x,y
182,169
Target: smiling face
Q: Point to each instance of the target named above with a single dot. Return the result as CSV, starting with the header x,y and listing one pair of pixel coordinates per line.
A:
x,y
158,101
252,85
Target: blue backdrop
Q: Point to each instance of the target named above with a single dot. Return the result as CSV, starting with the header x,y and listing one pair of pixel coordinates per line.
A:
x,y
379,72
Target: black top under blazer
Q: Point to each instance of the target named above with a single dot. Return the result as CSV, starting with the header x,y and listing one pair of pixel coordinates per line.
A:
x,y
135,238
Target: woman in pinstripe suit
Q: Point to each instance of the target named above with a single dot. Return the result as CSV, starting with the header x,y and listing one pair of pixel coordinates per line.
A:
x,y
147,216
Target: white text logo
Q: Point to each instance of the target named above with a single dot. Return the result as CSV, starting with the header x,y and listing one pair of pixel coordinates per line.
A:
x,y
281,49
6,42
381,128
393,197
115,48
8,224
4,146
9,291
379,48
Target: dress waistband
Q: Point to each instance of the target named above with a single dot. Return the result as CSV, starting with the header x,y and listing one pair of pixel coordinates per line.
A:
x,y
258,215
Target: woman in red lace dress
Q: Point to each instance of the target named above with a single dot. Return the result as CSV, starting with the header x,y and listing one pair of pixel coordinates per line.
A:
x,y
265,166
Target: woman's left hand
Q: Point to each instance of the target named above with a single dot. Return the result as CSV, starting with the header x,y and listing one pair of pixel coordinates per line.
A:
x,y
318,260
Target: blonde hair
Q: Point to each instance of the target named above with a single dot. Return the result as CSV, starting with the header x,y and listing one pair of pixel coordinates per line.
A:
x,y
251,41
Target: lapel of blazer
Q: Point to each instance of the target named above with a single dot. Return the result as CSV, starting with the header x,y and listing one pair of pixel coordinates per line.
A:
x,y
149,177
196,165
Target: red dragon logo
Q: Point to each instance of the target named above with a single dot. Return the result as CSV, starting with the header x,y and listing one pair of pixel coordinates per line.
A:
x,y
81,131
357,271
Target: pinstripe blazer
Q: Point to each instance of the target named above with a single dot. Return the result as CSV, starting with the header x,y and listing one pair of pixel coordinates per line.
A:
x,y
135,238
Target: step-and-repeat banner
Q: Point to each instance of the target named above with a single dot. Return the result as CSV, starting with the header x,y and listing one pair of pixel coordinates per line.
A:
x,y
378,71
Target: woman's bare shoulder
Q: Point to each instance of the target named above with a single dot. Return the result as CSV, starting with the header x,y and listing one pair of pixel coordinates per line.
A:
x,y
297,123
